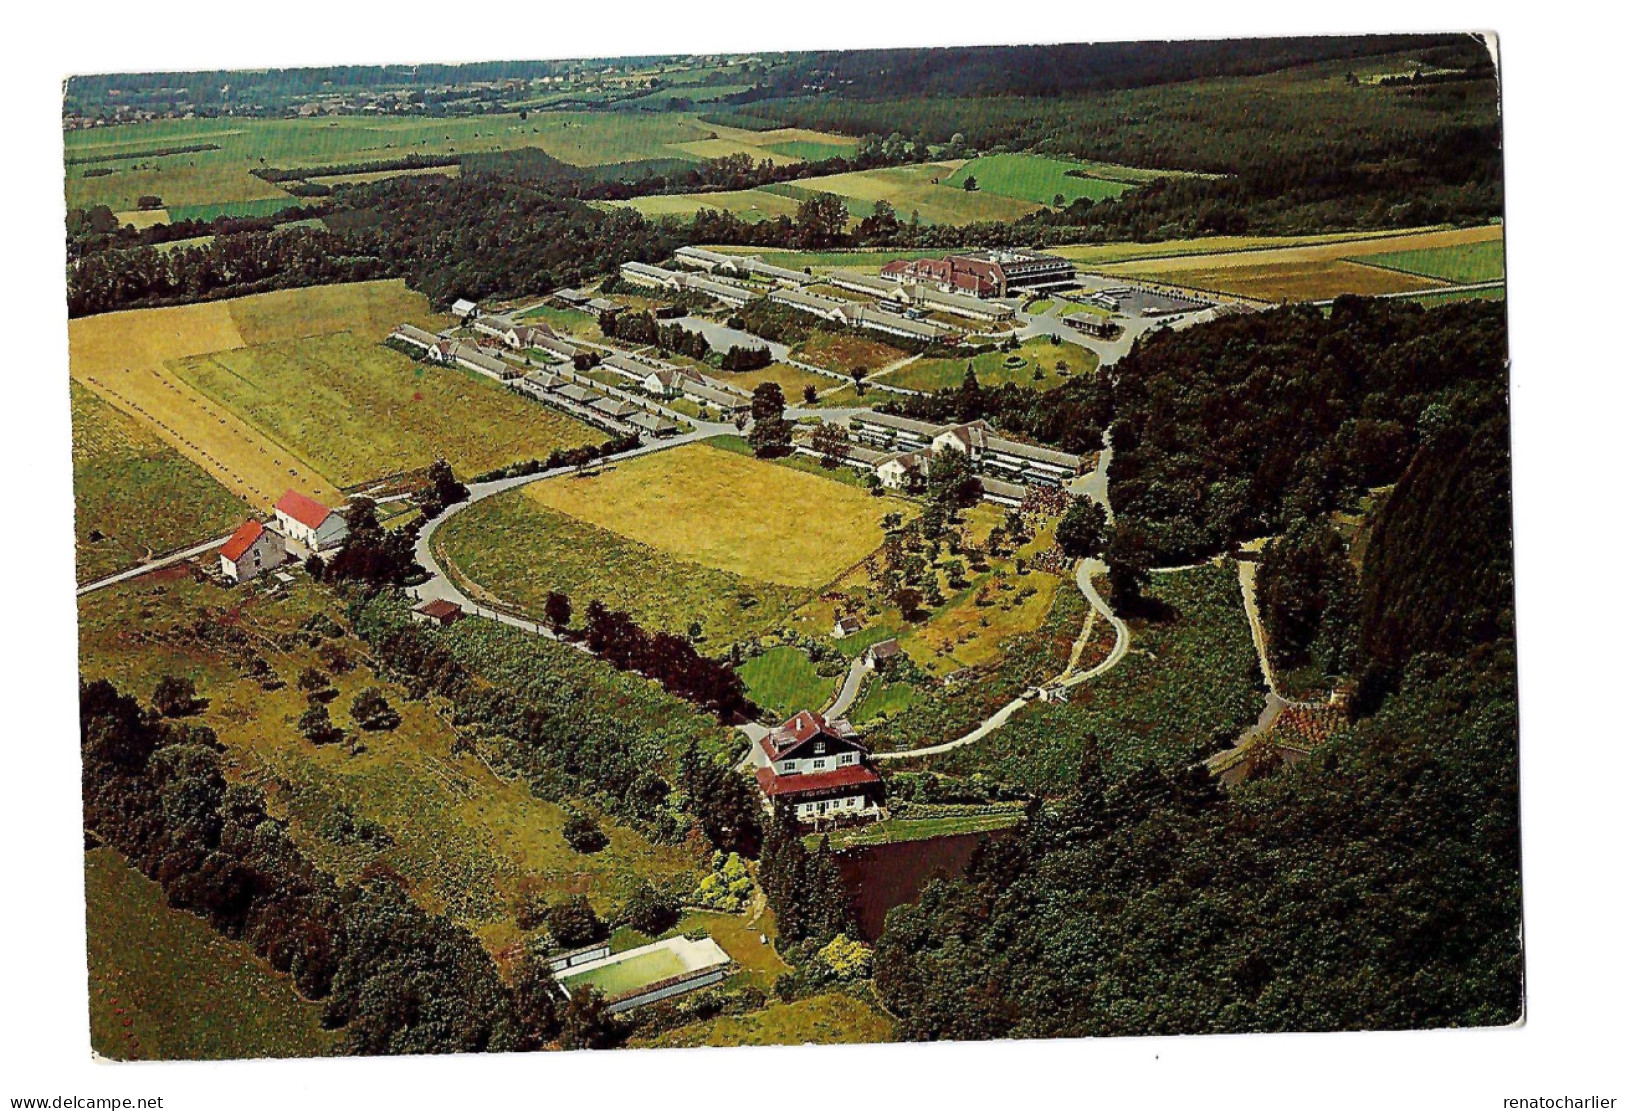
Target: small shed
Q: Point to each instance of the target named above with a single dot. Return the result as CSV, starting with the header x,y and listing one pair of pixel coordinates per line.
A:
x,y
438,612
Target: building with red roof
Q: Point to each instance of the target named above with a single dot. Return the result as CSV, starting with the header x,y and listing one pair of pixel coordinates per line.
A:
x,y
437,612
252,548
818,768
310,523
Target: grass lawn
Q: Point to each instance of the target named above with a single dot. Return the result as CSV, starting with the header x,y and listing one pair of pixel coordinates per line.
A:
x,y
358,410
134,495
995,368
784,681
736,514
846,353
835,1018
166,986
1464,263
882,698
919,829
465,841
1034,178
752,205
791,379
511,549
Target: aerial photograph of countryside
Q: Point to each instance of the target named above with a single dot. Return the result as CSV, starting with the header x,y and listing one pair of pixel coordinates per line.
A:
x,y
775,548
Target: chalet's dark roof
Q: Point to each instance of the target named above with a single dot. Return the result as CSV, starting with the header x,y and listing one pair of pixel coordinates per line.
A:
x,y
885,649
799,730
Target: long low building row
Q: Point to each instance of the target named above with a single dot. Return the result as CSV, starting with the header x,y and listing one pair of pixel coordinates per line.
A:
x,y
717,262
616,414
676,281
990,455
854,314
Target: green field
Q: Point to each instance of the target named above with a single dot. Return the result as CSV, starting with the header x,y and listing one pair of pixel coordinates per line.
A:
x,y
882,697
1463,263
784,681
134,495
811,150
198,181
1489,293
357,410
517,550
1034,178
995,368
751,205
165,986
921,829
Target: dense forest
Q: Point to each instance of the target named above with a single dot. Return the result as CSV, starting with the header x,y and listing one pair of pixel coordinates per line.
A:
x,y
1376,883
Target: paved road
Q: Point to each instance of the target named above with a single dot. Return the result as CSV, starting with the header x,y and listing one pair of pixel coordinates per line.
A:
x,y
151,565
848,693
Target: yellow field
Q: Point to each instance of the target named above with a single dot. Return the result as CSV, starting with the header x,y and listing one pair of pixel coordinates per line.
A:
x,y
123,357
143,217
1308,273
792,380
730,512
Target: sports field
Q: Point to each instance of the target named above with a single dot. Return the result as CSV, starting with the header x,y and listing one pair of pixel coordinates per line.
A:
x,y
134,495
1306,273
628,975
358,410
1035,178
165,986
727,511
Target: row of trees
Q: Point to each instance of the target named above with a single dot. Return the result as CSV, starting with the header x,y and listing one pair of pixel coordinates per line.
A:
x,y
668,659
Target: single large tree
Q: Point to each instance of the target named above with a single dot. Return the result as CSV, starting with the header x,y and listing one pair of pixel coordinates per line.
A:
x,y
1081,532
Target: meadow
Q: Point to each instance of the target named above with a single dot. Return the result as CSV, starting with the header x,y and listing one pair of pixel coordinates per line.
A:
x,y
736,514
1307,273
165,986
464,840
510,550
358,410
783,681
134,495
1036,179
1040,366
1463,263
846,352
126,359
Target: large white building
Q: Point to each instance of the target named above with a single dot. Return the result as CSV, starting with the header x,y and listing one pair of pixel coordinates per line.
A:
x,y
310,523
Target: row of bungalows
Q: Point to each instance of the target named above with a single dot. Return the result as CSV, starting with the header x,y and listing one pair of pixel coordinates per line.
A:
x,y
922,296
583,301
675,281
856,315
718,262
615,413
666,380
410,335
1008,461
450,352
898,470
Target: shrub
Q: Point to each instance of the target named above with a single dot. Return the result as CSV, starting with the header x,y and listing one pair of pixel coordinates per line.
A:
x,y
573,923
175,697
371,711
583,833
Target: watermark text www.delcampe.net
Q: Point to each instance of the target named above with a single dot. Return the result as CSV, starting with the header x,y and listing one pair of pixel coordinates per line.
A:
x,y
91,1103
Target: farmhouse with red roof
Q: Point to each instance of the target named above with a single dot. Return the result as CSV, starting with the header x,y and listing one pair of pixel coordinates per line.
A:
x,y
310,523
817,767
252,548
